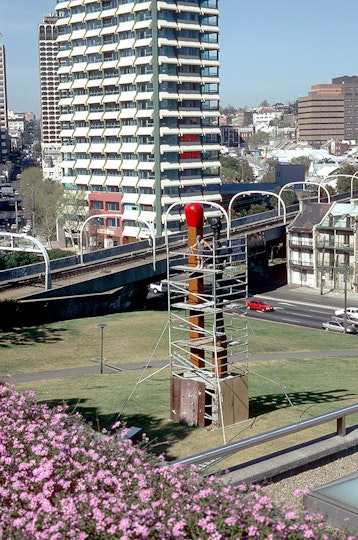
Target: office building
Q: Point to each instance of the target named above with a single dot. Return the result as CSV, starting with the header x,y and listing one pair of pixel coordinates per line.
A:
x,y
49,93
349,89
4,138
321,114
139,100
329,112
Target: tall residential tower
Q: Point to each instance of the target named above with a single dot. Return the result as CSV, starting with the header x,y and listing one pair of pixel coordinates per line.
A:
x,y
50,127
139,85
4,144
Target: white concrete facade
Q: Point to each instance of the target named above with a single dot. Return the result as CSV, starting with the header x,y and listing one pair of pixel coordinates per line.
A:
x,y
139,100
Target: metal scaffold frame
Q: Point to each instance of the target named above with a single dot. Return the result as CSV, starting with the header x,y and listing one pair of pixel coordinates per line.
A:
x,y
208,330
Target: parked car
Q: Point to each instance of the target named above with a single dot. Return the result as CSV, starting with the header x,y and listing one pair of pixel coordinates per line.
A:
x,y
350,312
258,305
337,326
347,320
159,286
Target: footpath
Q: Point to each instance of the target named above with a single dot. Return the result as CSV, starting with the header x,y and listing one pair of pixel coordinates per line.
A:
x,y
158,364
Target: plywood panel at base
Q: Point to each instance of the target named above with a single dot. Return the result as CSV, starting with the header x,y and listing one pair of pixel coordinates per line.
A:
x,y
235,402
187,401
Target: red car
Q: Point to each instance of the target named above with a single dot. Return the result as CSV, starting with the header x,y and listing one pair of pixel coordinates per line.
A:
x,y
258,305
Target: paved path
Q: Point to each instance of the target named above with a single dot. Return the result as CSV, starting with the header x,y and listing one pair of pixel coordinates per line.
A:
x,y
94,369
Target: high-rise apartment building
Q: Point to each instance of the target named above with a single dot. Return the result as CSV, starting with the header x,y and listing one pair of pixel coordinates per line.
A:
x,y
139,99
4,138
49,93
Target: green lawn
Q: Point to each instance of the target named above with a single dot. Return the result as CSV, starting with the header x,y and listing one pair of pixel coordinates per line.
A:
x,y
281,390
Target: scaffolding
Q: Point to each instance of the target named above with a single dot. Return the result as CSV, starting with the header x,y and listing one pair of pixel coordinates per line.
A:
x,y
208,334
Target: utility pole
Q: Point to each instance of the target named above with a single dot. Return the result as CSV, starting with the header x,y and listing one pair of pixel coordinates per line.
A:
x,y
346,268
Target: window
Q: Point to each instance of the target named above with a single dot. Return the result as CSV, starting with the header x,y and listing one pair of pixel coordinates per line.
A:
x,y
113,222
113,206
97,205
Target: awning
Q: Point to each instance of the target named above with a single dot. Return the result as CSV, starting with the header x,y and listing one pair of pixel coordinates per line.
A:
x,y
82,163
113,181
97,164
146,183
129,181
81,147
111,148
113,164
97,180
96,148
131,198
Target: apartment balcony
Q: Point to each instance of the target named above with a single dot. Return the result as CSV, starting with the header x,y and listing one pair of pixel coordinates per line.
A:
x,y
305,243
297,263
165,148
130,198
211,180
210,163
337,247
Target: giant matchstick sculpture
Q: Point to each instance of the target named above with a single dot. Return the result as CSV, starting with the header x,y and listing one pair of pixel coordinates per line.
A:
x,y
203,392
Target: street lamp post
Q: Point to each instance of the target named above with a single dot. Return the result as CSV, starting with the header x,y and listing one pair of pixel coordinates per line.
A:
x,y
102,327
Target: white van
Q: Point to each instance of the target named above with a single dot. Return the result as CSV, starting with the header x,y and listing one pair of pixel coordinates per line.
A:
x,y
351,312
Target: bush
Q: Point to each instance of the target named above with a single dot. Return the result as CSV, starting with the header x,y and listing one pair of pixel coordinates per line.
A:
x,y
13,260
58,253
59,480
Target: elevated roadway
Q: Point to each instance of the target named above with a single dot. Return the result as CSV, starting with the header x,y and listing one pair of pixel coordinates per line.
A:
x,y
108,270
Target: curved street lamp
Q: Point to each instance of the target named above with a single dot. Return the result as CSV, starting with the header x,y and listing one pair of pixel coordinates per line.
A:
x,y
308,183
204,203
41,249
120,216
351,176
252,192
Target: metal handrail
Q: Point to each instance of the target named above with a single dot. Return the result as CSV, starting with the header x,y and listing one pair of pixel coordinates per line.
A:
x,y
221,452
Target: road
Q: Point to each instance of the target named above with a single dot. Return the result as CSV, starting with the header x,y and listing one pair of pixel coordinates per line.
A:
x,y
293,305
301,306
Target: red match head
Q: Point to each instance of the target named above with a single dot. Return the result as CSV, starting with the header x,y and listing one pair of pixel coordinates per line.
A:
x,y
194,213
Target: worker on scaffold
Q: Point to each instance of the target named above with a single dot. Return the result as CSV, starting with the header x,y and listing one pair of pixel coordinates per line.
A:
x,y
200,245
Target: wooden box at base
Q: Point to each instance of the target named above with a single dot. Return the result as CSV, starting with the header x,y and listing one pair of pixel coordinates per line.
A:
x,y
191,402
235,399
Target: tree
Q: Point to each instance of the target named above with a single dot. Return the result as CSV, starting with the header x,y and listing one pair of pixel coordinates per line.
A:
x,y
229,110
302,160
288,196
74,209
260,138
41,200
344,183
250,209
236,170
292,107
264,103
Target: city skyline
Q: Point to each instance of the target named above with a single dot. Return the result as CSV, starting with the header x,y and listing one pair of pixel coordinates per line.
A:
x,y
267,52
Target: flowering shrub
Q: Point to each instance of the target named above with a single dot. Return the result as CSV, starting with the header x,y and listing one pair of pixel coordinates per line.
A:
x,y
58,481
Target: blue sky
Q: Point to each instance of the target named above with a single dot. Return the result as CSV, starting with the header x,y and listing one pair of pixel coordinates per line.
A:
x,y
273,50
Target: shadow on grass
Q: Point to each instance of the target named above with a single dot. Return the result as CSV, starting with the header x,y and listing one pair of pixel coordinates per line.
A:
x,y
161,433
29,336
260,405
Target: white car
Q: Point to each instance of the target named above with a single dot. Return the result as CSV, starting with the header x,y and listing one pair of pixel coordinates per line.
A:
x,y
158,287
336,326
351,312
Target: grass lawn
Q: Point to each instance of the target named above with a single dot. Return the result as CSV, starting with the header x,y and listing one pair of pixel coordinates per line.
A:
x,y
281,390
